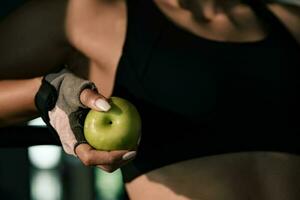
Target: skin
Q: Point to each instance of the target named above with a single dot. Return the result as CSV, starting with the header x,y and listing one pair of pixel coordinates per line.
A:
x,y
88,37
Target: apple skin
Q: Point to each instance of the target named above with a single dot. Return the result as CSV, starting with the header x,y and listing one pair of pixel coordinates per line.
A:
x,y
117,129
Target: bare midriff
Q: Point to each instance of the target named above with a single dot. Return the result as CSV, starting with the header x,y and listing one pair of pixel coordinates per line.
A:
x,y
248,176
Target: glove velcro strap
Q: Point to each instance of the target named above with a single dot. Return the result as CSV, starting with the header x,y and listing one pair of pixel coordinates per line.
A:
x,y
45,100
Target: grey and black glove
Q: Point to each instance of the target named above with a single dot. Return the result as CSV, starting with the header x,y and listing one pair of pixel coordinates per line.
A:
x,y
58,101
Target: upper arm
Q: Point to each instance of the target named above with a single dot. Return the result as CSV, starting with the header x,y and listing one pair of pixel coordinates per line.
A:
x,y
290,16
32,39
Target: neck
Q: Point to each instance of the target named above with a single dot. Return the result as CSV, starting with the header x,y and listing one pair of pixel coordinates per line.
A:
x,y
207,9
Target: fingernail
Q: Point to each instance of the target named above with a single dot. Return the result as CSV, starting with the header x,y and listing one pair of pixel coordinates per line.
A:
x,y
129,155
102,105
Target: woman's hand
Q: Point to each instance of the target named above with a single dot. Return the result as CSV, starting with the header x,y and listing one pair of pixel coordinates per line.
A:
x,y
109,161
63,101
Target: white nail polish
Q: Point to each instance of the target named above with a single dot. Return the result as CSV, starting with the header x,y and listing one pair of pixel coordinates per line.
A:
x,y
102,105
129,155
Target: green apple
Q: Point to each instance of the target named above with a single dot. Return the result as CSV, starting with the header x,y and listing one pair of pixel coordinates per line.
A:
x,y
117,129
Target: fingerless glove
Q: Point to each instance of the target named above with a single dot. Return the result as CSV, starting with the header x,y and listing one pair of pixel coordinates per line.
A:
x,y
58,102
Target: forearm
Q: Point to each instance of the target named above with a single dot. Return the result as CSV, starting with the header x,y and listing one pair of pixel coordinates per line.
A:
x,y
17,100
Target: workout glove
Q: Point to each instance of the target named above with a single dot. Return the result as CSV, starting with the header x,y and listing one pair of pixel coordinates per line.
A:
x,y
58,101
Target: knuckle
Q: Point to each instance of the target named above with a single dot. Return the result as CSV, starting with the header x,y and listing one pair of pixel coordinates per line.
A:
x,y
90,101
86,96
110,159
86,160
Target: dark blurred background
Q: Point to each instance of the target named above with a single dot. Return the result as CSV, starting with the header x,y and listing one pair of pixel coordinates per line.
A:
x,y
44,172
7,6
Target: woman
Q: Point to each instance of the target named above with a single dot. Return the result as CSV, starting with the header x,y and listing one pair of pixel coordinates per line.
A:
x,y
198,72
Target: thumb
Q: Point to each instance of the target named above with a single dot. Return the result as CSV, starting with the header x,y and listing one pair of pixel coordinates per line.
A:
x,y
94,100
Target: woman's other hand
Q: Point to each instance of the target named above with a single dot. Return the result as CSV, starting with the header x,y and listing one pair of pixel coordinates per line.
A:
x,y
109,161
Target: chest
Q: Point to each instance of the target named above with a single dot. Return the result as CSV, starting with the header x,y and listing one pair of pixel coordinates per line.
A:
x,y
238,23
200,75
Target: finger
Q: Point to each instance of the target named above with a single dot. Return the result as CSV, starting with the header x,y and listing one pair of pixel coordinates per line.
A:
x,y
94,100
112,158
112,168
108,168
91,157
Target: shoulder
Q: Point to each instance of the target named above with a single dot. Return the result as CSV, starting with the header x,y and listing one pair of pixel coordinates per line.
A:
x,y
82,15
93,26
290,16
93,18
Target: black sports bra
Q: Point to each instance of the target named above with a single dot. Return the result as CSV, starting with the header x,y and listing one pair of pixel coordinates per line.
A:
x,y
199,97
